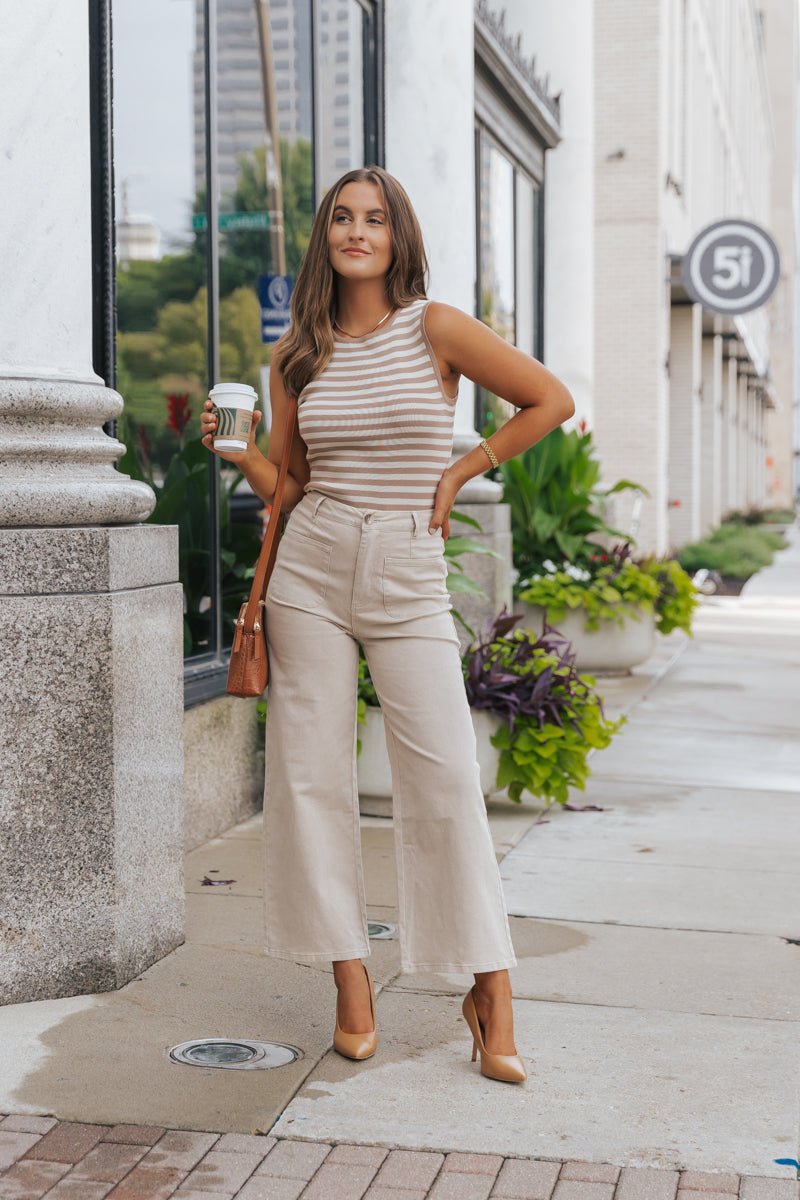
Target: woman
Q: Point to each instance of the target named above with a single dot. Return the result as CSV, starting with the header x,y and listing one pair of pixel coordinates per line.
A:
x,y
370,486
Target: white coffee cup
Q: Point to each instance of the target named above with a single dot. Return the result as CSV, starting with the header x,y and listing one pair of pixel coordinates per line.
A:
x,y
233,408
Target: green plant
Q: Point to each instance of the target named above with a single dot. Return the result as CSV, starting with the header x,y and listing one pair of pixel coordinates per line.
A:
x,y
677,595
552,489
553,715
734,549
601,594
757,516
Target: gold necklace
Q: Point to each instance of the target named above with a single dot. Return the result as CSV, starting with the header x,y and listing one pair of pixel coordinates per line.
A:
x,y
349,334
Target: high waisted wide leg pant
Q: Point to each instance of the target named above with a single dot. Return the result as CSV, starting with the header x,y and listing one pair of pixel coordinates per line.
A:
x,y
345,575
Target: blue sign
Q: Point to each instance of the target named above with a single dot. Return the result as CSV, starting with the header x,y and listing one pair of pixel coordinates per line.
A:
x,y
274,292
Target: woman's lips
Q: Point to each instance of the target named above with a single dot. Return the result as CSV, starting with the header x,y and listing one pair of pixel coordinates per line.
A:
x,y
354,251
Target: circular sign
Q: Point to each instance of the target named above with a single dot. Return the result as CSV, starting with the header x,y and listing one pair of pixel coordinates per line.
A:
x,y
731,267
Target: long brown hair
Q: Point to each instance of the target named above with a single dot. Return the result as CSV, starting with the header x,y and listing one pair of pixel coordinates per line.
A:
x,y
307,345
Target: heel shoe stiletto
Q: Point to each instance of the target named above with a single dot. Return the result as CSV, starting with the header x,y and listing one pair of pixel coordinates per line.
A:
x,y
507,1067
357,1045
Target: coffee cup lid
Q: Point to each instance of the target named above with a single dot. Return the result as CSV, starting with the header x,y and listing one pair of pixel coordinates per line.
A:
x,y
222,389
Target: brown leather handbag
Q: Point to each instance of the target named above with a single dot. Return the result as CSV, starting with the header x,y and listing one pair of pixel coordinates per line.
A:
x,y
248,670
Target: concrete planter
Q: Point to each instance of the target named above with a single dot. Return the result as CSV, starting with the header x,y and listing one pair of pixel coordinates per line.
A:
x,y
611,649
374,770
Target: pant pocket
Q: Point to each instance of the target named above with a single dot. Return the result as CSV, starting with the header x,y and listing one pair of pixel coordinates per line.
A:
x,y
415,585
301,571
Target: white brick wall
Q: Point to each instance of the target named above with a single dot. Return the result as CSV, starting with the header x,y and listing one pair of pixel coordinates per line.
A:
x,y
630,293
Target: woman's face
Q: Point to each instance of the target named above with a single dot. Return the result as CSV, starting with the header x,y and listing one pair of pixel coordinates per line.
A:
x,y
360,222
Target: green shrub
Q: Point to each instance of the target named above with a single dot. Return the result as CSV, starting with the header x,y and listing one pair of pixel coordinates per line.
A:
x,y
601,595
756,516
734,549
677,595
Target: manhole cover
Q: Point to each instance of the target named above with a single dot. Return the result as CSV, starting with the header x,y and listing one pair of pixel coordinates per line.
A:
x,y
381,929
237,1054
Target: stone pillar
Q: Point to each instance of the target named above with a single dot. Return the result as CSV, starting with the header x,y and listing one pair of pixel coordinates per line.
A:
x,y
730,434
91,666
710,433
684,422
742,438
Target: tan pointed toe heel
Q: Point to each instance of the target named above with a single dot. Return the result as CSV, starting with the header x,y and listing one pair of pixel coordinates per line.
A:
x,y
509,1068
357,1045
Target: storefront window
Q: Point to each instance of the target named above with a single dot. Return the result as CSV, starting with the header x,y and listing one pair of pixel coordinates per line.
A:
x,y
202,214
509,262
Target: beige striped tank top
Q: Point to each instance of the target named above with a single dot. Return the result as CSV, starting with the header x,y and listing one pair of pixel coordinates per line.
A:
x,y
377,421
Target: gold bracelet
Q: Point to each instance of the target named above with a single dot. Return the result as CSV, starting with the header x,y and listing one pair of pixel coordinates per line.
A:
x,y
492,456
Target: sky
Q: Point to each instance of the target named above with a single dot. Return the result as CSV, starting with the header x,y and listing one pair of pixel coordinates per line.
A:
x,y
153,121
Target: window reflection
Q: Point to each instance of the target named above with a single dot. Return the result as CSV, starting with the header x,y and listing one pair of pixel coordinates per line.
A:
x,y
265,198
497,268
497,291
264,190
508,263
340,71
161,346
527,264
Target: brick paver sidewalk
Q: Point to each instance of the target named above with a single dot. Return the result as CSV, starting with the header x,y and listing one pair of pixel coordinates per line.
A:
x,y
66,1160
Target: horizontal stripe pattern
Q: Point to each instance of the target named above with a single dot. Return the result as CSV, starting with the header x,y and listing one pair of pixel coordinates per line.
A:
x,y
377,422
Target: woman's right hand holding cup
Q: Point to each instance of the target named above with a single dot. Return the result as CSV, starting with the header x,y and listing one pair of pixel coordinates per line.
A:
x,y
208,426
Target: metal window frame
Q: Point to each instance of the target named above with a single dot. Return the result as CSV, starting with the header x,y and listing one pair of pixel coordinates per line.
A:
x,y
101,141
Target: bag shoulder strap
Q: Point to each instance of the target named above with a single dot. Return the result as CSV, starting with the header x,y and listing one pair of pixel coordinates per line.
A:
x,y
269,546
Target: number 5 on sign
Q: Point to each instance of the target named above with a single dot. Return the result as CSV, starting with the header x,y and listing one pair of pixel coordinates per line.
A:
x,y
732,266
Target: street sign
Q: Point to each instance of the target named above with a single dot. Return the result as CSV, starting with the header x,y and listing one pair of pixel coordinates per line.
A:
x,y
274,292
235,220
731,267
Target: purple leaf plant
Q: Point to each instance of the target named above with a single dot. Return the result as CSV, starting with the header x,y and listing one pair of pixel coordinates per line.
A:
x,y
504,673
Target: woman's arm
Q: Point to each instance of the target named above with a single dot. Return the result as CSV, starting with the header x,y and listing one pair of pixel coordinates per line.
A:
x,y
471,348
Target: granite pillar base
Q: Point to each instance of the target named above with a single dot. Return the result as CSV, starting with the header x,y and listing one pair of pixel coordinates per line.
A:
x,y
91,791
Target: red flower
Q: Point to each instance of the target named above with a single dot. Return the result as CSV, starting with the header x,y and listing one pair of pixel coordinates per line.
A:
x,y
179,412
582,425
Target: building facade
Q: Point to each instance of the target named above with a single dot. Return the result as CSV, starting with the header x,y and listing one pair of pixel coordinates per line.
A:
x,y
698,125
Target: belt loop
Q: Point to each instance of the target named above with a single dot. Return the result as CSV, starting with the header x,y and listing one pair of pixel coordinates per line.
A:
x,y
317,503
415,518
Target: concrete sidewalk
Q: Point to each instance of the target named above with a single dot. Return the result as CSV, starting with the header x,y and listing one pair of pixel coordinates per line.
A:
x,y
656,997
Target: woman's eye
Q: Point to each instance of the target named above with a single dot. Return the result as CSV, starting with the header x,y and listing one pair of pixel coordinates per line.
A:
x,y
344,217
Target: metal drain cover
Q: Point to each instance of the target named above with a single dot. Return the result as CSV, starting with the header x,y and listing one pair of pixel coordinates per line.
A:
x,y
235,1054
381,929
